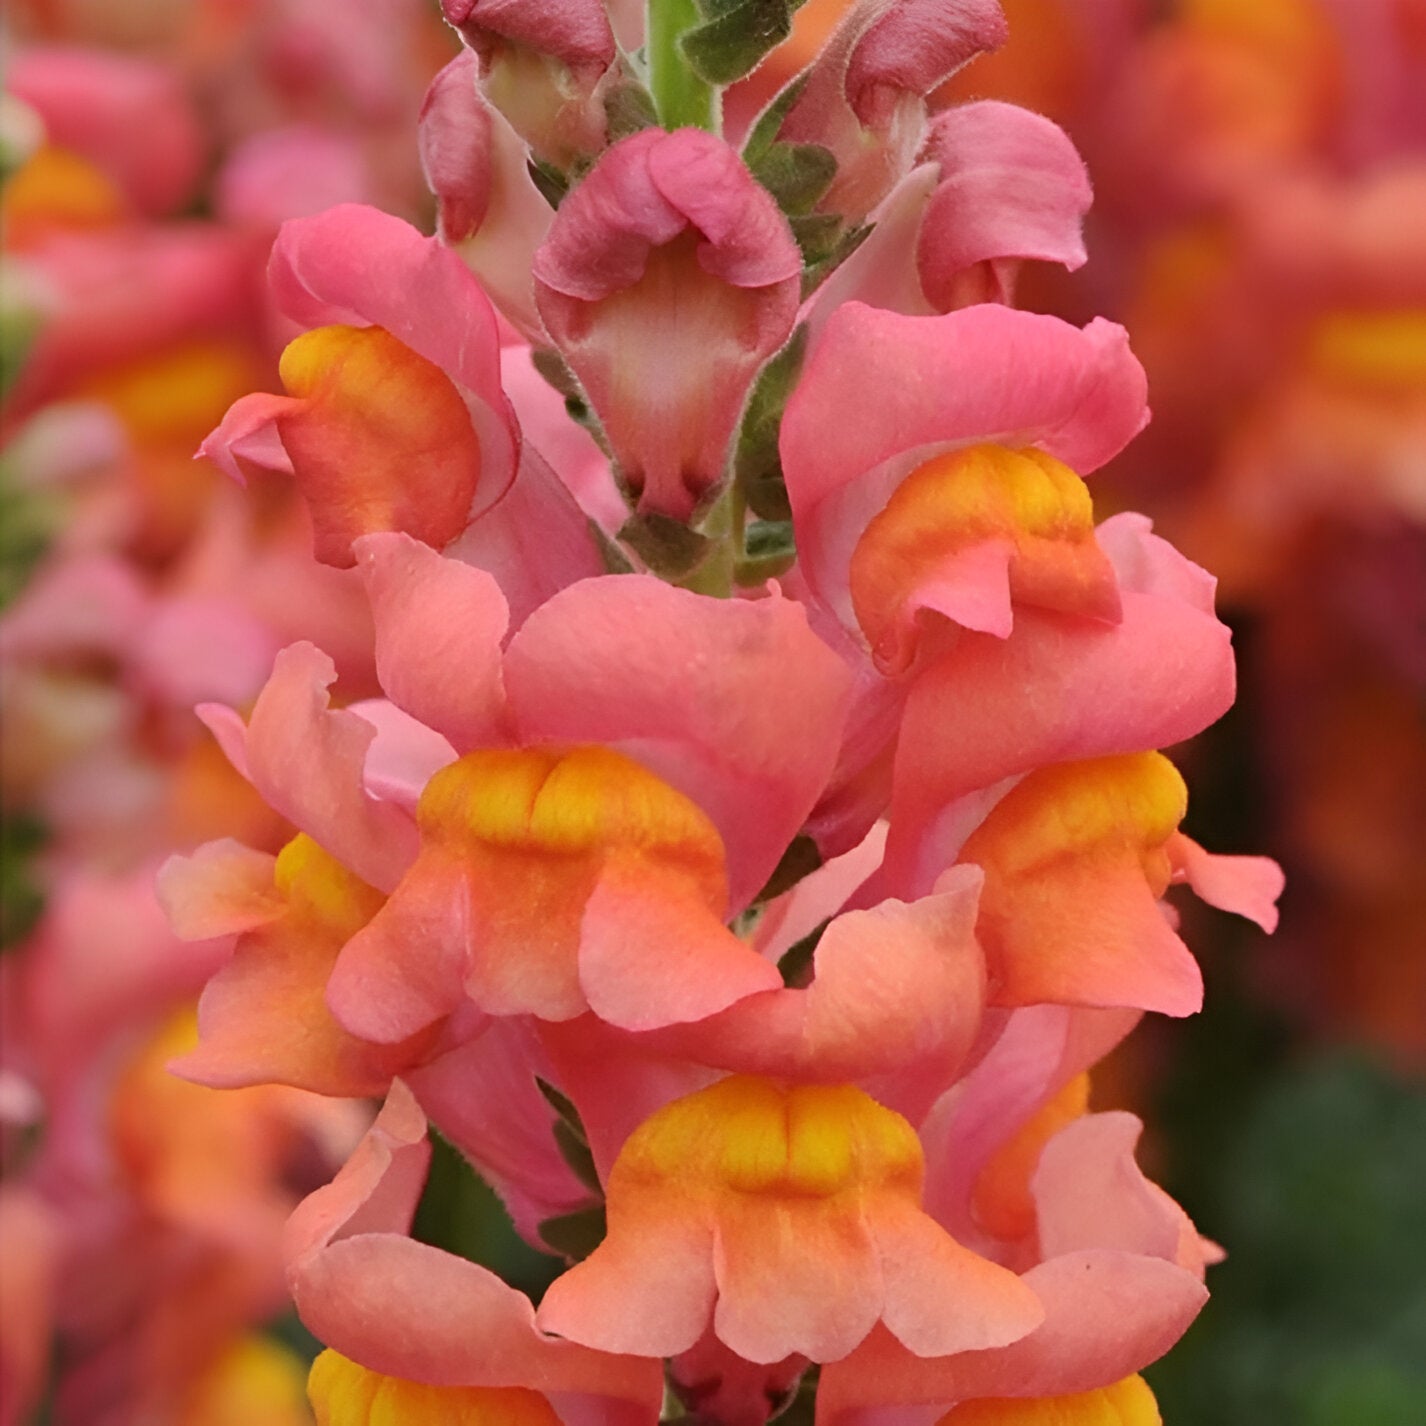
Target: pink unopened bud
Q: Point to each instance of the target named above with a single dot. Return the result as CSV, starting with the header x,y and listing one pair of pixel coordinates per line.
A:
x,y
488,207
668,278
999,185
542,64
864,99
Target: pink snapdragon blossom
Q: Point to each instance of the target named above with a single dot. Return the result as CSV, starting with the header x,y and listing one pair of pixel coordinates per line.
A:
x,y
667,219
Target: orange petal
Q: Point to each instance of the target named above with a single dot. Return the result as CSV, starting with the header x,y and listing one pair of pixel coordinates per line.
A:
x,y
384,440
971,532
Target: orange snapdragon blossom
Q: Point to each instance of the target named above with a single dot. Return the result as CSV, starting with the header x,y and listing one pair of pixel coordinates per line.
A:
x,y
746,828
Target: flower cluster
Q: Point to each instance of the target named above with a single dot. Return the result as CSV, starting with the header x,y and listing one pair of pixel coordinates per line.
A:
x,y
759,830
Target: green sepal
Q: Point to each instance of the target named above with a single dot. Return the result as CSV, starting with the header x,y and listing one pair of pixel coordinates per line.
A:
x,y
735,36
667,547
576,1235
628,108
614,558
797,175
764,133
769,549
757,465
834,247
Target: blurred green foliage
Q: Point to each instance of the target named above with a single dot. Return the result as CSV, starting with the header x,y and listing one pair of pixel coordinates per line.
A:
x,y
1318,1317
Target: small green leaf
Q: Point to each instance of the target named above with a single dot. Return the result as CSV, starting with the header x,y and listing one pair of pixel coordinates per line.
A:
x,y
732,41
769,549
764,132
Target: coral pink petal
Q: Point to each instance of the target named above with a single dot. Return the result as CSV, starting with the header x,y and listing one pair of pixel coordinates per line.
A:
x,y
895,986
507,1130
308,760
1249,886
915,44
409,1310
650,1293
536,540
820,1301
1107,1315
220,890
1089,1193
651,953
406,969
702,691
229,732
941,1297
1037,1052
403,756
747,240
439,626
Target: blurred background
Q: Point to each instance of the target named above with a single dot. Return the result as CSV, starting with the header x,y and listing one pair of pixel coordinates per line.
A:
x,y
1259,225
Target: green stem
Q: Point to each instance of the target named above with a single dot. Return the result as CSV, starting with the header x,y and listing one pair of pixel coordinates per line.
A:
x,y
681,98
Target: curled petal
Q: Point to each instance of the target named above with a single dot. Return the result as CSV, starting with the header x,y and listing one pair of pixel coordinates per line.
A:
x,y
308,762
1011,187
1249,886
220,890
1107,1314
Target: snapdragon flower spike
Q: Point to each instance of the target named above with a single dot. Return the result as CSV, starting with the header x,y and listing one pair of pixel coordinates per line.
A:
x,y
864,98
394,417
405,1310
996,186
788,1217
669,276
602,820
889,524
